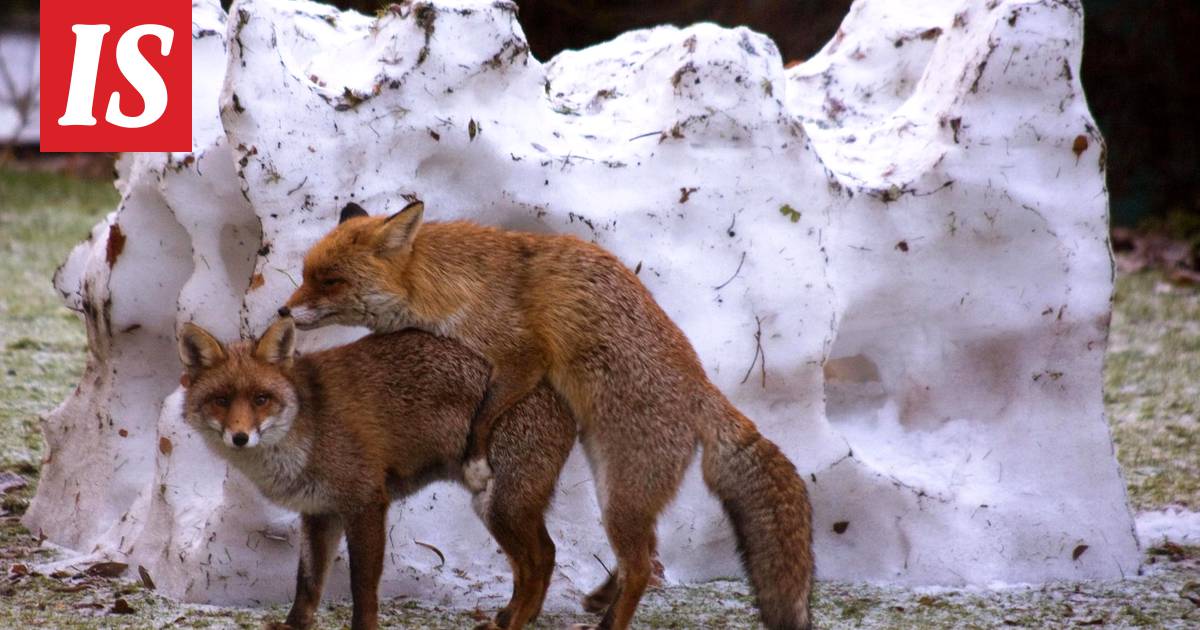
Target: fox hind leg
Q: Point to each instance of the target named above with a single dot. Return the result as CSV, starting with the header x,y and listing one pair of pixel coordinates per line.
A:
x,y
521,534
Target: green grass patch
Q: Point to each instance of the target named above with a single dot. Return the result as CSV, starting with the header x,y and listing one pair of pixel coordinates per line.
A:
x,y
1152,390
42,344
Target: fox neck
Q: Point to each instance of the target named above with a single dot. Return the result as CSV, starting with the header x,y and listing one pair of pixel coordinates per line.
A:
x,y
431,292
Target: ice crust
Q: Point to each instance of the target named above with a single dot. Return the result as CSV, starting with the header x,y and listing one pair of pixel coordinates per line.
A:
x,y
893,257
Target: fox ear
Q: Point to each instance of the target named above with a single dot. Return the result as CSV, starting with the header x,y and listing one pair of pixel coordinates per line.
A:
x,y
278,344
198,349
351,211
397,231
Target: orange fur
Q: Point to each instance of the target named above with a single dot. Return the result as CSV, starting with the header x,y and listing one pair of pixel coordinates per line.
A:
x,y
558,308
352,430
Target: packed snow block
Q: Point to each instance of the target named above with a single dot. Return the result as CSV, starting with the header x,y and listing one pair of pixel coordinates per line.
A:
x,y
973,276
892,257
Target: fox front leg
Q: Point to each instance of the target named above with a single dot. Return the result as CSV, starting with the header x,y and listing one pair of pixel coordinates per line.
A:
x,y
319,535
512,379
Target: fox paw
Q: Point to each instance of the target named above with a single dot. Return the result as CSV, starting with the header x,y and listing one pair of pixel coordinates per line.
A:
x,y
487,625
597,602
477,473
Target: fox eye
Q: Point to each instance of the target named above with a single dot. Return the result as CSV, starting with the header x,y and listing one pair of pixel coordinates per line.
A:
x,y
261,399
222,402
331,282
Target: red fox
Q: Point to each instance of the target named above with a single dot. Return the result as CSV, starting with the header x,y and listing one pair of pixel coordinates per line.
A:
x,y
558,308
337,435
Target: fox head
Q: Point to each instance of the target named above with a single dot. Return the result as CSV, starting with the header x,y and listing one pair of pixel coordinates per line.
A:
x,y
241,391
352,274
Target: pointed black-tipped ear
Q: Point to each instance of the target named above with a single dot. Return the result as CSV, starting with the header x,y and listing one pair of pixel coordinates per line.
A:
x,y
199,350
278,344
351,211
398,230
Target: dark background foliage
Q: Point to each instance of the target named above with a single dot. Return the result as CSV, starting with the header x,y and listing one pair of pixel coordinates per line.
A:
x,y
1141,70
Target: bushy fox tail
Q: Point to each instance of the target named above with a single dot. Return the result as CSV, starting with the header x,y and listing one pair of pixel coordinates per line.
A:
x,y
767,502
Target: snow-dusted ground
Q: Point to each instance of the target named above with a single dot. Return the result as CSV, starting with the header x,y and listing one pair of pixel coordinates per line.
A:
x,y
893,257
1178,525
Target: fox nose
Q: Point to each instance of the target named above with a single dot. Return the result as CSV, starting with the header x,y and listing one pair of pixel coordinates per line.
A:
x,y
240,439
284,311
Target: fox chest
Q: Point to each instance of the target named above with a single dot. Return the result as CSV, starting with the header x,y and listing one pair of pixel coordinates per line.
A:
x,y
291,483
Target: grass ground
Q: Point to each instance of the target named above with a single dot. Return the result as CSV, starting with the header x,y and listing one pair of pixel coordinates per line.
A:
x,y
1151,398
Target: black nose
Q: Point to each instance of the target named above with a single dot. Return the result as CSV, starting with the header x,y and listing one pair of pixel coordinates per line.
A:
x,y
240,439
284,311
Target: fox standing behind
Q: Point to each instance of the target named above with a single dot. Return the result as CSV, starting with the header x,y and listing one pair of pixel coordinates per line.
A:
x,y
337,435
558,308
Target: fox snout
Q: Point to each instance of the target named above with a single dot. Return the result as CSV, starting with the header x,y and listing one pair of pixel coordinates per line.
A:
x,y
241,439
301,308
242,421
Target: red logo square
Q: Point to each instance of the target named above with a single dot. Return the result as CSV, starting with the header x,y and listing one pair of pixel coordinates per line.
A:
x,y
116,75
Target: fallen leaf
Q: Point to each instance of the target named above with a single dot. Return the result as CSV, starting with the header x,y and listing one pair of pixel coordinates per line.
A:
x,y
122,607
840,527
107,569
1169,549
1078,552
145,575
164,446
115,244
1080,145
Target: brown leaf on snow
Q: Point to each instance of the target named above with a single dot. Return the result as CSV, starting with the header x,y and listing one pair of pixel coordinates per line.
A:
x,y
107,569
1079,146
145,575
115,244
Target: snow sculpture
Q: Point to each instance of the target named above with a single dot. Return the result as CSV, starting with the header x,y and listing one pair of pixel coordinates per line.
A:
x,y
893,257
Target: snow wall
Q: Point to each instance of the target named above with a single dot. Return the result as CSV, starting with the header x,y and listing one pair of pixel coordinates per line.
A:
x,y
893,257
